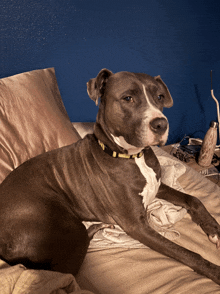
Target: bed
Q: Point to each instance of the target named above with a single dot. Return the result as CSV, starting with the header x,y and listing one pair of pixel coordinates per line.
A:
x,y
34,120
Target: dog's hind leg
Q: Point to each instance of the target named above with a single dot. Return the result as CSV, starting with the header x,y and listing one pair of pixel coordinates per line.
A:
x,y
46,237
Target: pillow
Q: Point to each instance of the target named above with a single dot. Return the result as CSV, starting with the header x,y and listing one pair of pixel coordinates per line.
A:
x,y
84,128
33,118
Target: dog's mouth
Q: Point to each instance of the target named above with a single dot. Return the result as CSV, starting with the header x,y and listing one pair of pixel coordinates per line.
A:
x,y
134,147
159,140
161,143
153,133
149,138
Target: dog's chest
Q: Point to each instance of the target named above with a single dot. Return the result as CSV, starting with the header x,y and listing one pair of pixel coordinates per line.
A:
x,y
152,183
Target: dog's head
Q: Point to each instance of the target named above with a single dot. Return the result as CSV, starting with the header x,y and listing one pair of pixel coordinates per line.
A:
x,y
131,107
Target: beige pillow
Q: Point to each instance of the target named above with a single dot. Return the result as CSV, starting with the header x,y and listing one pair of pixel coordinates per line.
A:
x,y
33,118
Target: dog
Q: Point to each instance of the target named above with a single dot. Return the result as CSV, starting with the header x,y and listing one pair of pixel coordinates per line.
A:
x,y
103,177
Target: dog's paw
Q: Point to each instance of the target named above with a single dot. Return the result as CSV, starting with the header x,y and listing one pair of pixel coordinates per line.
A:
x,y
212,229
215,239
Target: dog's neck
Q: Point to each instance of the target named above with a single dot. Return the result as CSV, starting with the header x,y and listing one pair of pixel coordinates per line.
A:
x,y
120,141
117,144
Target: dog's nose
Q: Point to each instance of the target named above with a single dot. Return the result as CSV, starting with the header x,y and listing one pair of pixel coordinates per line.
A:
x,y
159,125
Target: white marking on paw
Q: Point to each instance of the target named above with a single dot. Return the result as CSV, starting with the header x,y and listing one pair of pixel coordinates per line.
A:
x,y
214,239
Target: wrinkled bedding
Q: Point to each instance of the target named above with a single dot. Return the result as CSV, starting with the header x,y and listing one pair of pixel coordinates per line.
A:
x,y
162,215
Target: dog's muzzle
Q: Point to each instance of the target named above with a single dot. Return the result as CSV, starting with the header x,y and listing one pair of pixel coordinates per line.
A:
x,y
159,125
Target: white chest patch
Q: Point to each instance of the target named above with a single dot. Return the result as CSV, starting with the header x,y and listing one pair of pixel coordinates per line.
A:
x,y
152,184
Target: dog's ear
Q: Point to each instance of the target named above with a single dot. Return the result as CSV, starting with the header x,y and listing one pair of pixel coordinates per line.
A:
x,y
96,86
168,101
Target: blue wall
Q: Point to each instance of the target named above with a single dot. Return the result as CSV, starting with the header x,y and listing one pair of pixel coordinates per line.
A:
x,y
180,40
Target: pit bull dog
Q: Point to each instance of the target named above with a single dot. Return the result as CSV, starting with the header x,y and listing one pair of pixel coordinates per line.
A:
x,y
103,177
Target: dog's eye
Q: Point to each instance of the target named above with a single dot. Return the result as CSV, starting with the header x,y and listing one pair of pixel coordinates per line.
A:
x,y
160,97
128,99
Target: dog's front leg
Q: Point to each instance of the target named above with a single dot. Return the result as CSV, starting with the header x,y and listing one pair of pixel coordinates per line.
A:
x,y
139,229
195,208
